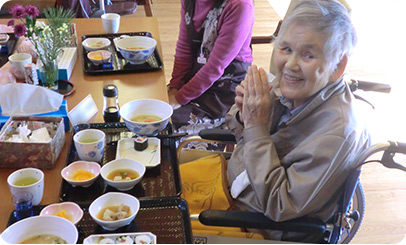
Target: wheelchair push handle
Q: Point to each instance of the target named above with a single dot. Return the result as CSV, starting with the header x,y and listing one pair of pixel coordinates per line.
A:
x,y
399,147
369,86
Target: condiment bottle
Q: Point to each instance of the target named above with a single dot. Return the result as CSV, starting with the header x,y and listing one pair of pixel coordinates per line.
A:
x,y
111,110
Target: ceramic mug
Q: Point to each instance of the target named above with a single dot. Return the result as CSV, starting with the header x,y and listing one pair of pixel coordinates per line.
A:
x,y
111,22
17,62
27,180
89,144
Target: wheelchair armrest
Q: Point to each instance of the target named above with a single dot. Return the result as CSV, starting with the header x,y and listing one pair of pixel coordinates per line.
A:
x,y
244,219
218,135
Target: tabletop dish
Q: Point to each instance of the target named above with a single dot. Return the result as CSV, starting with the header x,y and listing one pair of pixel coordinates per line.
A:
x,y
123,174
119,64
95,43
41,225
168,218
150,157
114,210
68,210
99,57
135,49
155,182
122,238
81,173
156,115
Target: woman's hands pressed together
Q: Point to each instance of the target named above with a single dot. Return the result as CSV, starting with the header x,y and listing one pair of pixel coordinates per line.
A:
x,y
253,98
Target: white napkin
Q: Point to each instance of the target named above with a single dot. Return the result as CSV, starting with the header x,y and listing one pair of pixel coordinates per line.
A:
x,y
239,184
21,99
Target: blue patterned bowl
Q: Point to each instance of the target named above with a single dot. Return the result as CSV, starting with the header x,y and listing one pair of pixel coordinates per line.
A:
x,y
136,49
146,107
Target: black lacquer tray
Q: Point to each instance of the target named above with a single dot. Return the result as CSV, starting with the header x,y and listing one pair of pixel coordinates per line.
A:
x,y
7,49
160,181
167,218
118,63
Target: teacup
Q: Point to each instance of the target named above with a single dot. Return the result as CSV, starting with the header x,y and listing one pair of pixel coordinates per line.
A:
x,y
17,62
27,180
111,22
89,144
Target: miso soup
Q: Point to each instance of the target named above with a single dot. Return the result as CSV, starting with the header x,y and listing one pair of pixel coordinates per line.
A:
x,y
44,239
123,174
25,181
146,118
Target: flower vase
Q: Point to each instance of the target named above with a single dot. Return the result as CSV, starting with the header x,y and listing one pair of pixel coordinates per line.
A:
x,y
49,75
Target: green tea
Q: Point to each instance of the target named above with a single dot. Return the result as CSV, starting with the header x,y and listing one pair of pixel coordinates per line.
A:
x,y
90,140
25,181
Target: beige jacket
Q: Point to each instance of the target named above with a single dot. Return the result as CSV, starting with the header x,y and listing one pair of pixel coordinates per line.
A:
x,y
299,169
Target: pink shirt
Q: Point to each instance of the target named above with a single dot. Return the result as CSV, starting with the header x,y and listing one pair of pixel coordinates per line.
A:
x,y
233,42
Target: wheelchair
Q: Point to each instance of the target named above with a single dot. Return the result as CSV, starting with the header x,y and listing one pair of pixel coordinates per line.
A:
x,y
345,222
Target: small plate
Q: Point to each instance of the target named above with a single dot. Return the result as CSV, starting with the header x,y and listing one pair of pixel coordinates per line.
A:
x,y
136,237
150,157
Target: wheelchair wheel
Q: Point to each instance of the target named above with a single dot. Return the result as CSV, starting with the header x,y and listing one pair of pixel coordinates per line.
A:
x,y
357,203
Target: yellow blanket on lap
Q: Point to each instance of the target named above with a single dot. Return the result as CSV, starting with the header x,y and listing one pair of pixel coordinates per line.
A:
x,y
204,187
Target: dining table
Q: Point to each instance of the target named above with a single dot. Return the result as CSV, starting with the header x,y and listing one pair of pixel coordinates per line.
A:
x,y
131,86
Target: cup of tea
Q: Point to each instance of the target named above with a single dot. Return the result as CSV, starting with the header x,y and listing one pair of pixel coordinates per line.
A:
x,y
89,144
23,205
111,22
17,62
27,180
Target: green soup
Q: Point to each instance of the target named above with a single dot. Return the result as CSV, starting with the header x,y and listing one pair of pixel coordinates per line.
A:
x,y
25,181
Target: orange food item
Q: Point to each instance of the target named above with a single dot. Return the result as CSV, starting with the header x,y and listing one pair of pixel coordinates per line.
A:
x,y
62,214
81,175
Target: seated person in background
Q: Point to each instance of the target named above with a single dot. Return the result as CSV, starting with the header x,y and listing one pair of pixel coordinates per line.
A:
x,y
212,57
296,142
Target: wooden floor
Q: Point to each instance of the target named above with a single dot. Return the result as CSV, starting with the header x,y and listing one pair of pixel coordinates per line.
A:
x,y
385,190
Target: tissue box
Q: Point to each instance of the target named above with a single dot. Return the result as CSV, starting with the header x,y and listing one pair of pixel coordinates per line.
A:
x,y
62,112
32,155
66,63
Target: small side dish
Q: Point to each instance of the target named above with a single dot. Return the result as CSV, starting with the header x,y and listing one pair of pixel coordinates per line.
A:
x,y
81,173
99,57
95,43
67,210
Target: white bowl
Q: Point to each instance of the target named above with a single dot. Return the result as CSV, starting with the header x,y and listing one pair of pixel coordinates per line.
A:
x,y
95,43
41,225
73,212
146,107
99,57
69,171
123,163
136,49
112,199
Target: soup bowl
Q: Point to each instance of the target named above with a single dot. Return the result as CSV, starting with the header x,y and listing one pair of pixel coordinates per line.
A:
x,y
114,199
136,49
68,173
146,107
41,225
70,210
123,163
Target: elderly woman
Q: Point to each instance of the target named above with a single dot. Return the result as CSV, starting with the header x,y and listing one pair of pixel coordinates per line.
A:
x,y
296,142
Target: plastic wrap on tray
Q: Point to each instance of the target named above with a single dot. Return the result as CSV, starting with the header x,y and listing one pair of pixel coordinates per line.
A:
x,y
122,238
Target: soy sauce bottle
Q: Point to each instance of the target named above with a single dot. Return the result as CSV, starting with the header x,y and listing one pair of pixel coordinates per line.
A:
x,y
111,110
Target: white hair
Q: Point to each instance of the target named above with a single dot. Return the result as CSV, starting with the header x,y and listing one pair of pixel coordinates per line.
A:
x,y
331,19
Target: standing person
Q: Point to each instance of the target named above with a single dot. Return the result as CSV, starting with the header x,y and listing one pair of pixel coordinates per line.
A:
x,y
212,57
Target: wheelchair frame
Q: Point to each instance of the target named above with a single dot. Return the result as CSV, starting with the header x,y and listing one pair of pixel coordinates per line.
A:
x,y
345,223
